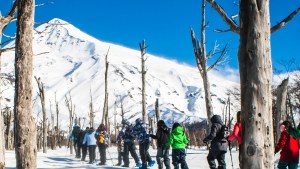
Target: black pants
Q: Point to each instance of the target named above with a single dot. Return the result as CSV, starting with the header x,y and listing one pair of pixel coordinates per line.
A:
x,y
84,151
130,147
220,156
78,151
102,150
92,153
178,157
144,153
162,156
120,157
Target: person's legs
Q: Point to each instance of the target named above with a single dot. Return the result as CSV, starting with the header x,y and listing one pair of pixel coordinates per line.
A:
x,y
102,153
133,153
211,161
166,158
293,165
126,154
84,151
221,161
159,156
282,165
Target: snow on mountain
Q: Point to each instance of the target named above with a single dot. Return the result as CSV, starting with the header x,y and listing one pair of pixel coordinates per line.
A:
x,y
68,60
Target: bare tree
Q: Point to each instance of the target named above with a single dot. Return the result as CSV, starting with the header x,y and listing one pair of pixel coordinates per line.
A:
x,y
157,111
57,125
201,60
143,60
25,133
71,109
105,107
4,21
280,106
256,79
41,94
8,115
92,112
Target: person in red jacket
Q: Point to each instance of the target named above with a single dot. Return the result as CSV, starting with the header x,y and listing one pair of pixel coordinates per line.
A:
x,y
237,131
289,146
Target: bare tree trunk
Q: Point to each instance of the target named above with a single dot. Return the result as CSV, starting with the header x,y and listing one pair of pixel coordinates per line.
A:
x,y
71,109
105,107
57,126
2,138
280,106
256,80
25,133
43,103
8,134
157,111
143,60
91,113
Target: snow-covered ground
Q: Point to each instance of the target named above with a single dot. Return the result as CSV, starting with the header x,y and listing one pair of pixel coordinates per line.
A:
x,y
61,158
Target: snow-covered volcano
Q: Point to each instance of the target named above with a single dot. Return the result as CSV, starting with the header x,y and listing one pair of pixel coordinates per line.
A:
x,y
68,60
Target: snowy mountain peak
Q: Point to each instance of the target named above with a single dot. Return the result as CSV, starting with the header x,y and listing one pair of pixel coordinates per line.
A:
x,y
70,61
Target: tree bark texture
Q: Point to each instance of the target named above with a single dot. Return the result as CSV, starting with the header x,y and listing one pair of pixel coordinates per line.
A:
x,y
8,144
143,60
157,111
256,80
105,106
281,93
25,132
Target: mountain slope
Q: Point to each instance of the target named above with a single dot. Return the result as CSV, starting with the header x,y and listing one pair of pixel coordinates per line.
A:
x,y
68,60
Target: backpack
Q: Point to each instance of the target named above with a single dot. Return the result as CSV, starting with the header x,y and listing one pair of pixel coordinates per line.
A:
x,y
224,132
101,138
76,132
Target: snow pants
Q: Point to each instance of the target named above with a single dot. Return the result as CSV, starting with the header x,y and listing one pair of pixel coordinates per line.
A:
x,y
130,147
162,156
178,157
220,156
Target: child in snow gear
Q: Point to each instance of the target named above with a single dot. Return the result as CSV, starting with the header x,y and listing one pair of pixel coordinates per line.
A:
x,y
75,137
83,146
289,146
162,136
178,141
219,144
129,146
237,132
102,142
144,142
89,138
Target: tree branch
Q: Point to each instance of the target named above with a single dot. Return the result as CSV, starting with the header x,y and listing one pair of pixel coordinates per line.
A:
x,y
230,22
219,60
7,49
285,21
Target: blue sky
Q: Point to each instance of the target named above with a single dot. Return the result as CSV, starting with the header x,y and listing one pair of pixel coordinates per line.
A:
x,y
165,24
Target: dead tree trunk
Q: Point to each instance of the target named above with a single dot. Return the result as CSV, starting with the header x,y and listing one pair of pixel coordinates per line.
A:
x,y
71,109
43,103
256,79
157,111
91,113
281,93
4,21
57,125
105,107
7,133
25,133
201,60
143,60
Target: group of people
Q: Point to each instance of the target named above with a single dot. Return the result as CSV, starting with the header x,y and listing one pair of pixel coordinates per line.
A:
x,y
176,138
88,140
288,143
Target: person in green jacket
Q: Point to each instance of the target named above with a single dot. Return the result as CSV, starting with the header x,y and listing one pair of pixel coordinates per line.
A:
x,y
294,132
178,141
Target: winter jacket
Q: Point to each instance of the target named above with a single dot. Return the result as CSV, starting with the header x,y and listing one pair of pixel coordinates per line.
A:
x,y
237,132
140,132
75,133
218,143
162,136
177,139
127,135
289,147
102,133
295,132
89,137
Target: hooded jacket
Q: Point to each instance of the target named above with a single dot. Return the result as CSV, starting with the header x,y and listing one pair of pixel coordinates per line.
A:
x,y
237,132
89,137
289,147
218,143
177,139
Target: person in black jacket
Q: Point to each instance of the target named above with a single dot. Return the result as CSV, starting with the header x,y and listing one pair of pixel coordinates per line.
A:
x,y
129,145
162,136
218,147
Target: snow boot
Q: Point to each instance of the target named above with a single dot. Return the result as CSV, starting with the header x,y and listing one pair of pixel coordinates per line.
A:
x,y
138,165
151,163
144,166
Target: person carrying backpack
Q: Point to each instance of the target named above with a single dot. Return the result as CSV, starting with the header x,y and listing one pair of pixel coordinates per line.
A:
x,y
144,143
178,141
90,139
237,132
129,146
219,144
162,136
75,137
83,146
289,146
102,138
